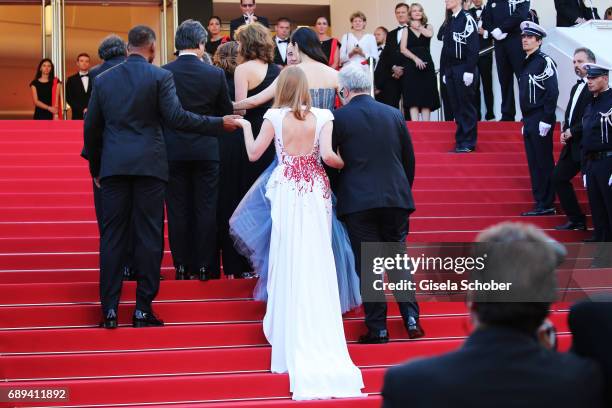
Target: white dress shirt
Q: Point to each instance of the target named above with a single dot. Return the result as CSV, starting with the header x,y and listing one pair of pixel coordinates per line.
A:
x,y
85,79
282,48
575,99
400,31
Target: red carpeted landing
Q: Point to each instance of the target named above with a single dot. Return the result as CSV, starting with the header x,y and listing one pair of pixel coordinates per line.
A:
x,y
212,351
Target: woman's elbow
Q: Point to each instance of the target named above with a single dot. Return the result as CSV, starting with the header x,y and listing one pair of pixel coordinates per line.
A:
x,y
253,157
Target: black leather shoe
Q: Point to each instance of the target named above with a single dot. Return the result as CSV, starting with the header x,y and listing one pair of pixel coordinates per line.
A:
x,y
181,273
463,150
145,319
489,116
203,274
109,320
572,226
373,338
128,274
539,212
414,328
249,275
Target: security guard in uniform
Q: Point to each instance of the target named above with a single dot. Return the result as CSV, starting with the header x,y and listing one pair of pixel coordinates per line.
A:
x,y
459,67
502,19
538,91
597,150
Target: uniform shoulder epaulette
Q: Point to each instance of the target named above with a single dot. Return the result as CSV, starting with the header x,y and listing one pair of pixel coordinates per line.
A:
x,y
513,3
536,80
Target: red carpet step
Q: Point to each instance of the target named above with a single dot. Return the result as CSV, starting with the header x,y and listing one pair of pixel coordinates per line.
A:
x,y
213,353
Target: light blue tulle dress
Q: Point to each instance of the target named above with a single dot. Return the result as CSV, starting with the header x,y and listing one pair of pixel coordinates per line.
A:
x,y
251,226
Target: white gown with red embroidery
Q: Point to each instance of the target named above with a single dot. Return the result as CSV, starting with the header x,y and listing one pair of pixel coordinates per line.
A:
x,y
303,320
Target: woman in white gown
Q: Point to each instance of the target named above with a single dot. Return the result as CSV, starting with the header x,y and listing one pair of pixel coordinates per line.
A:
x,y
303,320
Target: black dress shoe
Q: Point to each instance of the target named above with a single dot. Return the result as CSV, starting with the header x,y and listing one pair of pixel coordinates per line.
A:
x,y
109,320
128,274
249,275
463,150
489,116
373,338
414,328
145,319
203,274
538,212
181,273
572,226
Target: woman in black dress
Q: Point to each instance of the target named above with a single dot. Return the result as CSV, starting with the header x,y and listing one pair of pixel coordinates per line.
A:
x,y
419,86
331,46
254,74
231,157
46,92
215,39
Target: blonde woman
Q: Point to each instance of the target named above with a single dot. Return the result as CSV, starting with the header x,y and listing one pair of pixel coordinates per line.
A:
x,y
419,86
357,45
303,320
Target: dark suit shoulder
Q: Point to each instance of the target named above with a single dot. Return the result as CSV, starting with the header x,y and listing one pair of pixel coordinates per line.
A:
x,y
109,72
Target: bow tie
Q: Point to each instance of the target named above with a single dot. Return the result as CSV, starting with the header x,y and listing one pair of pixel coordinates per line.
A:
x,y
84,75
282,41
580,81
478,8
401,27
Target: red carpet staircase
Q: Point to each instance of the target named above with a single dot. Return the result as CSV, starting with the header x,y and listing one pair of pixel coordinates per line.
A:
x,y
212,352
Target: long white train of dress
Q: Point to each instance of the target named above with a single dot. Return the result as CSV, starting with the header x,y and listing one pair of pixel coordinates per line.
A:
x,y
303,320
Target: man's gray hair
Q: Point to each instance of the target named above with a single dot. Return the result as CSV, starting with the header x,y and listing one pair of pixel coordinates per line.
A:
x,y
112,46
189,35
356,78
590,54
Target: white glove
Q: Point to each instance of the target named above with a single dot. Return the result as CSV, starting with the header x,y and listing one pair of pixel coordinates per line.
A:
x,y
584,180
444,79
544,128
498,34
468,78
485,35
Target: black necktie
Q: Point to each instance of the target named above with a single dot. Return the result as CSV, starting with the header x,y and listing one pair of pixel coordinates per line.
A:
x,y
283,41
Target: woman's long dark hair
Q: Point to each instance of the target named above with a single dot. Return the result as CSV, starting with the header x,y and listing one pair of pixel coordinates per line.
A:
x,y
39,72
307,41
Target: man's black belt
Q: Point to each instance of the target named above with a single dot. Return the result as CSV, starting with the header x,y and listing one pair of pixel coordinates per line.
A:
x,y
599,155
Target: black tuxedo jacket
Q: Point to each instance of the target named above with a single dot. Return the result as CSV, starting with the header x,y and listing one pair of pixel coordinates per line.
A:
x,y
378,156
496,367
202,89
591,328
568,11
93,73
278,59
573,145
237,22
123,131
76,95
389,57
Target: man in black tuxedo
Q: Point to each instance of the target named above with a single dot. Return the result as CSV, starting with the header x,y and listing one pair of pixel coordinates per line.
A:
x,y
127,158
569,163
572,12
502,363
591,328
485,63
193,183
111,51
281,41
78,88
248,16
389,68
374,187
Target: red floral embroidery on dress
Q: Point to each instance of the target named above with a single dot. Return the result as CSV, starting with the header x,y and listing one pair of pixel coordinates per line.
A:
x,y
305,171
